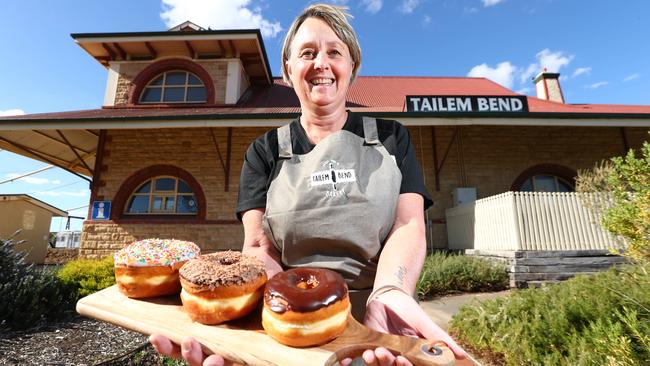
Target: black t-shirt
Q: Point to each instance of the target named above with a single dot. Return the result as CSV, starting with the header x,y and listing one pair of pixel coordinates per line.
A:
x,y
262,165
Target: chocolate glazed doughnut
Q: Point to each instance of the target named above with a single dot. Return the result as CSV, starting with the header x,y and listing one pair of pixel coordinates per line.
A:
x,y
305,307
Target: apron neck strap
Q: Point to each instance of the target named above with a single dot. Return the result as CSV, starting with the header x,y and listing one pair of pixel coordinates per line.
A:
x,y
370,131
285,150
284,142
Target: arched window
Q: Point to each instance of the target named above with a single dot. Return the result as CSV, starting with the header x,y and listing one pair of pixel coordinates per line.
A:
x,y
164,195
177,86
545,178
546,183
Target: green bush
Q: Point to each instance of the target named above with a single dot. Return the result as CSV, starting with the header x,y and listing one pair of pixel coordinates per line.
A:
x,y
630,215
88,275
602,319
30,296
627,181
444,274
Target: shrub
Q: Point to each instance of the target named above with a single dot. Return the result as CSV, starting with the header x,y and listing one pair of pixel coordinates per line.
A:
x,y
29,296
88,275
443,274
588,320
627,180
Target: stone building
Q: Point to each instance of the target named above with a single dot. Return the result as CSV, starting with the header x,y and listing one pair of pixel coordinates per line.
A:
x,y
165,151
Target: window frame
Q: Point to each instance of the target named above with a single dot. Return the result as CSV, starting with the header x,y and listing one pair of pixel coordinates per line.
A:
x,y
140,177
153,70
558,171
556,181
165,194
163,86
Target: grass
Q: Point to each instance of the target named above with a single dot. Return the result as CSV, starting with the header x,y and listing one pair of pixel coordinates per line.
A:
x,y
601,319
448,273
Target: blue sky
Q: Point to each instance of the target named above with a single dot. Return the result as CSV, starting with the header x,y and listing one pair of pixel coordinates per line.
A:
x,y
599,47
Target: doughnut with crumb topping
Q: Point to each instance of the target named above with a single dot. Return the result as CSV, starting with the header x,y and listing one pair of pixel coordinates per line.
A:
x,y
149,268
221,286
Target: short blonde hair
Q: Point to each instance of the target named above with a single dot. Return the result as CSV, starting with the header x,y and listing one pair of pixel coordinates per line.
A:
x,y
337,18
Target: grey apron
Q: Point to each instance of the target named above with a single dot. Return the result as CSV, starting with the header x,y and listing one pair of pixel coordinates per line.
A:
x,y
334,206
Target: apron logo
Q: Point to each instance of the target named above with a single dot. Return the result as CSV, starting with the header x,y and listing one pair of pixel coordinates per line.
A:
x,y
334,177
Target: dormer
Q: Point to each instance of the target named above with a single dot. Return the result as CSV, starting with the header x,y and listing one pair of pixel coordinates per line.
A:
x,y
184,66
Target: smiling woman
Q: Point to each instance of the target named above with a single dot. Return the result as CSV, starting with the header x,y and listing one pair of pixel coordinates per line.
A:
x,y
335,190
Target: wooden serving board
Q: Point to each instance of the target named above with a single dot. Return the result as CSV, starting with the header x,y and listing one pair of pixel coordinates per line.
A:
x,y
244,340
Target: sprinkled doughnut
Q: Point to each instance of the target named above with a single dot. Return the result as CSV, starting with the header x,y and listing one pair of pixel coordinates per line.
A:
x,y
149,267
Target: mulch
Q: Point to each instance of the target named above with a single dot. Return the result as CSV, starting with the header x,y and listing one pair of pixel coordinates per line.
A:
x,y
78,341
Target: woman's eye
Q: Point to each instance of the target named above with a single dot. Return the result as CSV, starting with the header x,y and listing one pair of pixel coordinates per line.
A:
x,y
307,54
334,53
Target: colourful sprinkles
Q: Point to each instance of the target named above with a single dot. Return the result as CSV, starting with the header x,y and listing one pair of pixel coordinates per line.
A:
x,y
156,252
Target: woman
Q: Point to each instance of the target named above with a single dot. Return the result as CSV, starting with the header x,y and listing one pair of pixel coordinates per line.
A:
x,y
336,190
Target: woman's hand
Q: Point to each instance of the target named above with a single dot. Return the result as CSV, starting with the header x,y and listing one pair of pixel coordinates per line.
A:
x,y
190,350
395,312
257,244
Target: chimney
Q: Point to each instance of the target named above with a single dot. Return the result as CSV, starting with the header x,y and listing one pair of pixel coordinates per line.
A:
x,y
547,86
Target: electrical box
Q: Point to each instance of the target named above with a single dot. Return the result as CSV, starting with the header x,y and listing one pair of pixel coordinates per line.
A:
x,y
462,195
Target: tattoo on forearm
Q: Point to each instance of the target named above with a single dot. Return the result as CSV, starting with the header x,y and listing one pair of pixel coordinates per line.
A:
x,y
401,272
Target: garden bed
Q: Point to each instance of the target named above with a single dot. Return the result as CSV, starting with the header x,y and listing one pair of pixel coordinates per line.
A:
x,y
79,341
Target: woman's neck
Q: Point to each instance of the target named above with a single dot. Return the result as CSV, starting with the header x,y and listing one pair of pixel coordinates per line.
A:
x,y
319,126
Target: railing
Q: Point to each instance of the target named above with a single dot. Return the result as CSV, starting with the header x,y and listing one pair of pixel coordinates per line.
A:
x,y
528,221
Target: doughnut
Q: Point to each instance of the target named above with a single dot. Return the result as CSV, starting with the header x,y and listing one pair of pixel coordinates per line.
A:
x,y
149,268
221,286
305,306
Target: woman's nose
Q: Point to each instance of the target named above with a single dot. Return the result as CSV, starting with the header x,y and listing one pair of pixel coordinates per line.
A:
x,y
321,62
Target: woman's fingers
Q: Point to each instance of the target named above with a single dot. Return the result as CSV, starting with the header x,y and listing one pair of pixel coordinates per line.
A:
x,y
164,346
192,352
383,357
216,360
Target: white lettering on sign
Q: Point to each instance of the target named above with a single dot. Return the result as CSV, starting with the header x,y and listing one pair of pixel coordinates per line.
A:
x,y
333,176
466,104
496,104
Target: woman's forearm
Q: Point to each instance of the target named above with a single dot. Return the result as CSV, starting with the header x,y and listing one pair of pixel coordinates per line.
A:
x,y
257,244
402,257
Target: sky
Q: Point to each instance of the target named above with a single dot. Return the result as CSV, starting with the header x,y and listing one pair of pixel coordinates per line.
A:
x,y
599,47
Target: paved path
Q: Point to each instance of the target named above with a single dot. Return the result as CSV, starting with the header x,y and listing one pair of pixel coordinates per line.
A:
x,y
442,309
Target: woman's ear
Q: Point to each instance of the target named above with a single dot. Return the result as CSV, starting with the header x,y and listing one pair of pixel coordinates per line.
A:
x,y
287,67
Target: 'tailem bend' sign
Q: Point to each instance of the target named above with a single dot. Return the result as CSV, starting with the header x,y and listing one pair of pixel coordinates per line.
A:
x,y
466,104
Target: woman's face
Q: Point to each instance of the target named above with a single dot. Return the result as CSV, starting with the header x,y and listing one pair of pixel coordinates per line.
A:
x,y
320,66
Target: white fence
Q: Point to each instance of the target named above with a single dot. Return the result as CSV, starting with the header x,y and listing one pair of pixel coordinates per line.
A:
x,y
527,221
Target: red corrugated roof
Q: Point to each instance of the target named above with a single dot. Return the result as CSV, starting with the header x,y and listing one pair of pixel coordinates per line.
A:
x,y
367,94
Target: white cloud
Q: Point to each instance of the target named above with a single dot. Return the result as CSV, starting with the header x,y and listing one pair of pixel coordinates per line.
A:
x,y
503,74
553,61
12,112
408,6
426,20
79,193
526,75
373,6
524,91
632,77
506,73
32,180
218,14
488,3
597,85
470,10
546,59
581,70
